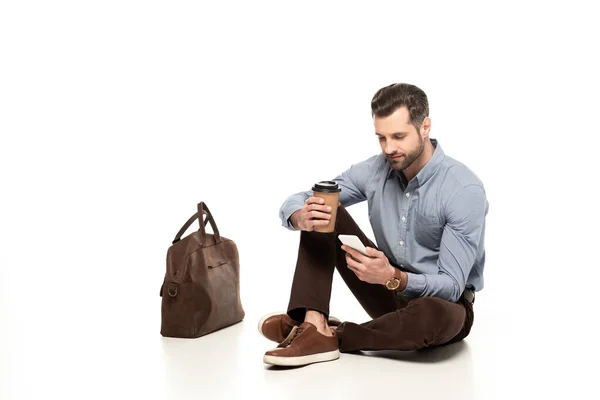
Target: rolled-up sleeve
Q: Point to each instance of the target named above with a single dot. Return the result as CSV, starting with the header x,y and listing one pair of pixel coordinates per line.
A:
x,y
353,182
465,214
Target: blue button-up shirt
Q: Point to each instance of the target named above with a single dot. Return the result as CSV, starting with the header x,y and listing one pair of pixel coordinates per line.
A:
x,y
432,226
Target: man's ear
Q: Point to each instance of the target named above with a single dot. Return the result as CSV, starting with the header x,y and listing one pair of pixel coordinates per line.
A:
x,y
425,128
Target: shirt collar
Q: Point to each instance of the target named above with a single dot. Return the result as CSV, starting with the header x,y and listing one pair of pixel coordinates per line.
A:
x,y
432,165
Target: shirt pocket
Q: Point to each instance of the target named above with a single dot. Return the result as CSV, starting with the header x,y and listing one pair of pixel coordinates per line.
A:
x,y
428,231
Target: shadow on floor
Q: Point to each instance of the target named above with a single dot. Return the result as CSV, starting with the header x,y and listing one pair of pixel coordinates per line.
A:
x,y
426,355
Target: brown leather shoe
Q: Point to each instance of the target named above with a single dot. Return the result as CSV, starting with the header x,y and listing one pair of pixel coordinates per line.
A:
x,y
304,345
277,326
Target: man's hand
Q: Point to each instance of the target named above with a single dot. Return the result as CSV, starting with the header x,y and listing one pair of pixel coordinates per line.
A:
x,y
314,213
374,269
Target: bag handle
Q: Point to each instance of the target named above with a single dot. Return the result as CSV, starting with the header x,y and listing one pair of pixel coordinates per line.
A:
x,y
185,227
202,209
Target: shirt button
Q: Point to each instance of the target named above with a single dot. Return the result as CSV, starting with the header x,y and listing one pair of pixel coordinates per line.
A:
x,y
407,194
403,218
401,243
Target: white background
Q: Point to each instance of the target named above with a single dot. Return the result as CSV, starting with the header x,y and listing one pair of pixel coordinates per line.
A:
x,y
118,117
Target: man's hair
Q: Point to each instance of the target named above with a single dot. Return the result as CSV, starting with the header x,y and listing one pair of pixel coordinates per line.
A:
x,y
389,98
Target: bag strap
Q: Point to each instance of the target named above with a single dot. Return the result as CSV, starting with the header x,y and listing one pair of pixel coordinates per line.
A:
x,y
202,209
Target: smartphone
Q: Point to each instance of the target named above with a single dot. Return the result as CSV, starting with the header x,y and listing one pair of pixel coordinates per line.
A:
x,y
354,242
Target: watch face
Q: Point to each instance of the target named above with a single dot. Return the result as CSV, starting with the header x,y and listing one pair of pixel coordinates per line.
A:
x,y
393,284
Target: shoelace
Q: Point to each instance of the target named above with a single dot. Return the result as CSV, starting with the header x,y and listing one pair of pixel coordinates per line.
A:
x,y
290,338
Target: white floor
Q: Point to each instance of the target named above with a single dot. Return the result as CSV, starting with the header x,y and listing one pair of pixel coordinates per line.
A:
x,y
119,354
107,362
240,369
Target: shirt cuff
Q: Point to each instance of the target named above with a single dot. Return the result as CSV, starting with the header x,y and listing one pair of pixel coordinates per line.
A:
x,y
415,285
286,214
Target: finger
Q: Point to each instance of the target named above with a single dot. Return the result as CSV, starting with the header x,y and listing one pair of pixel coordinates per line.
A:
x,y
316,216
319,215
316,200
352,268
355,253
347,249
373,252
319,207
313,223
354,265
359,274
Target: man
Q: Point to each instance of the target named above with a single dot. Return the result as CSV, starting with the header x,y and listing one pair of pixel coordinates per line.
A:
x,y
427,212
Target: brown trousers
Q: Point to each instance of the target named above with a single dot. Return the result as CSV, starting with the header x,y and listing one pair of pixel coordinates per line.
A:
x,y
397,324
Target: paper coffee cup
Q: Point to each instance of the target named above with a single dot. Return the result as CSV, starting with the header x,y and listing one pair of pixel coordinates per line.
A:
x,y
330,192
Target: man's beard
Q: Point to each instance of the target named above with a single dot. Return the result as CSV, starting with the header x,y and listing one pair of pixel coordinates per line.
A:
x,y
409,158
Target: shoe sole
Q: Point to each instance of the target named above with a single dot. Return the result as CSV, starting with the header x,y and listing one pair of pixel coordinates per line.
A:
x,y
269,315
301,360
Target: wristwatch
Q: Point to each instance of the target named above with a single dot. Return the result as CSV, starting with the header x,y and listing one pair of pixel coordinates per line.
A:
x,y
393,283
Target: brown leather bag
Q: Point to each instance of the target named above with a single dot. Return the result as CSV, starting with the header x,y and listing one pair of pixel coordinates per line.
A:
x,y
201,289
